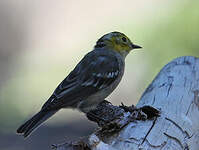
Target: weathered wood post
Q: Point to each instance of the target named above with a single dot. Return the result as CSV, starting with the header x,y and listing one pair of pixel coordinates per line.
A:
x,y
175,92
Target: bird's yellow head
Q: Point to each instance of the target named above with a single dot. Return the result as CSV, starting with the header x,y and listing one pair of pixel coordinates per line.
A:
x,y
116,41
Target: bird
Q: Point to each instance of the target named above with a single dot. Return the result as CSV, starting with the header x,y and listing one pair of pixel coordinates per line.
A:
x,y
92,80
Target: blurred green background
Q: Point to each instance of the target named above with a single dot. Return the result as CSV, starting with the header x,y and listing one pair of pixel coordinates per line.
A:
x,y
42,41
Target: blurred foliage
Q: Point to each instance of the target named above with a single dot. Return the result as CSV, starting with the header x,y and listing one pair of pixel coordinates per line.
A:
x,y
174,36
170,37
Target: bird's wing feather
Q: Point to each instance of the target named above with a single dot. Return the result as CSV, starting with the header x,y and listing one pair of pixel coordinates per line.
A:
x,y
92,74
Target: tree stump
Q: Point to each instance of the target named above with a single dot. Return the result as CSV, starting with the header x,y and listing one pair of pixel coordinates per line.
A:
x,y
175,92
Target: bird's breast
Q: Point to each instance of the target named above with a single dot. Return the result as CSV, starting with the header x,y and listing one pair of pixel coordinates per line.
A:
x,y
93,100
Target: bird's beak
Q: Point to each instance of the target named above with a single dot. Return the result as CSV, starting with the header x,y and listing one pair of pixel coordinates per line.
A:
x,y
135,46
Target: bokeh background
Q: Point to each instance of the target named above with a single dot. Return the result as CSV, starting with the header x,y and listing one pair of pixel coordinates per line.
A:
x,y
42,41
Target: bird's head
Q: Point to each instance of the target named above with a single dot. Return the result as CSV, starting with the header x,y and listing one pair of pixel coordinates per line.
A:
x,y
116,41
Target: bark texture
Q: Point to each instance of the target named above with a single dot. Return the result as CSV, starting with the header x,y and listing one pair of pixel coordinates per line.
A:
x,y
175,92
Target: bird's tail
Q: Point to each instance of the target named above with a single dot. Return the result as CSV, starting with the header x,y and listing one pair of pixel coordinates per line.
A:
x,y
27,128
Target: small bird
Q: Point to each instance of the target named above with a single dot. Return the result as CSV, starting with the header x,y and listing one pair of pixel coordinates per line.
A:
x,y
92,80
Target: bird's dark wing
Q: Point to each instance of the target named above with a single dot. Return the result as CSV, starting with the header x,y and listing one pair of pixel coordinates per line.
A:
x,y
93,73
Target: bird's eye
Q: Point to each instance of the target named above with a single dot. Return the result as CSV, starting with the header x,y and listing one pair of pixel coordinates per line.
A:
x,y
124,39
